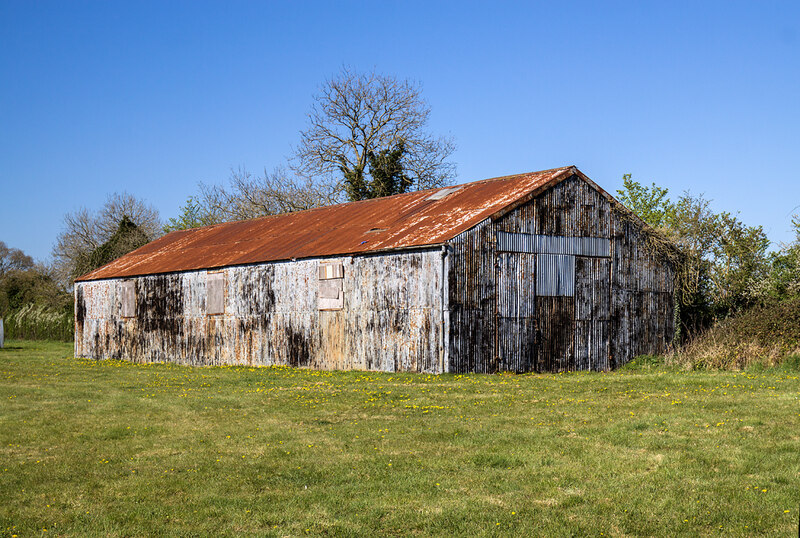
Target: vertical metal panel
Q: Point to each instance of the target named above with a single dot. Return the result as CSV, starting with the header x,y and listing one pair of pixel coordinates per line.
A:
x,y
556,327
472,300
128,298
555,275
516,285
641,294
516,321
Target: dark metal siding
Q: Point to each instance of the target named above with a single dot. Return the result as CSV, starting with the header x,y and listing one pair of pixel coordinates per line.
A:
x,y
642,298
472,301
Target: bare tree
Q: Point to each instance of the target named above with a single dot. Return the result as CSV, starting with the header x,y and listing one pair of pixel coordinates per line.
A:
x,y
85,231
248,196
13,259
356,115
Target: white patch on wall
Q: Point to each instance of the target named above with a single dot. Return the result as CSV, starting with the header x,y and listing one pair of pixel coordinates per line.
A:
x,y
331,286
128,296
215,294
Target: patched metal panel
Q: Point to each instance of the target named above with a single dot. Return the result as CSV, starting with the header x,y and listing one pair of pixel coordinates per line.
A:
x,y
441,193
215,293
555,275
548,244
330,289
331,286
330,270
128,299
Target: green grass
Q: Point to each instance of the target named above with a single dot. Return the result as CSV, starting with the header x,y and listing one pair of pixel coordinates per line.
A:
x,y
119,449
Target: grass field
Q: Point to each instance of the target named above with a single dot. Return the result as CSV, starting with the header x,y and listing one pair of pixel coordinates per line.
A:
x,y
118,449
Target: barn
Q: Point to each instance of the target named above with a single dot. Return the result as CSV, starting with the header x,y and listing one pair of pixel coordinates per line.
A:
x,y
543,271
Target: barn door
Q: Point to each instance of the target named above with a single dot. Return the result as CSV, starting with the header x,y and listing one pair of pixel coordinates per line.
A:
x,y
555,305
552,302
516,316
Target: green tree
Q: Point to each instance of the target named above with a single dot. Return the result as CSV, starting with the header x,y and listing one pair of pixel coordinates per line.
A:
x,y
194,214
32,286
722,259
126,238
651,204
359,114
385,169
782,281
84,231
13,258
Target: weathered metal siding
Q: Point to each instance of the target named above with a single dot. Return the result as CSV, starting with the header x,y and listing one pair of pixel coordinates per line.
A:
x,y
642,298
534,291
472,301
392,318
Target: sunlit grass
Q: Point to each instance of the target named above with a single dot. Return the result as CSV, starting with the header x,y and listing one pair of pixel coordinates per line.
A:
x,y
120,449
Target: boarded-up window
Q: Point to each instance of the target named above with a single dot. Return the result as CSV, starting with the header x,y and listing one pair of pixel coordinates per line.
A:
x,y
128,293
215,297
331,286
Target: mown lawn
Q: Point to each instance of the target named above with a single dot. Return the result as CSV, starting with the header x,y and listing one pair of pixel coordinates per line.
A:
x,y
118,449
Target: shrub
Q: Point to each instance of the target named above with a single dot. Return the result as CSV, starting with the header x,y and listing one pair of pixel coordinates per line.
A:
x,y
36,322
764,336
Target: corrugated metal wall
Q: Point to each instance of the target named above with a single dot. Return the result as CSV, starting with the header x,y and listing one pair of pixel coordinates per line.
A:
x,y
562,282
642,298
392,319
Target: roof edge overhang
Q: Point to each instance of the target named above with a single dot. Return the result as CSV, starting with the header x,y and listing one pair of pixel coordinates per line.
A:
x,y
431,246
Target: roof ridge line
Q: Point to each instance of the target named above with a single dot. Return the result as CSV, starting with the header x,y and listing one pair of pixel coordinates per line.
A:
x,y
487,180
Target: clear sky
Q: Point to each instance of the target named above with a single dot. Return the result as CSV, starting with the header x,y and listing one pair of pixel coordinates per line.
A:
x,y
151,98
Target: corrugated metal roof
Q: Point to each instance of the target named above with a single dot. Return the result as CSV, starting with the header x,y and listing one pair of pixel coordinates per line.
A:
x,y
407,220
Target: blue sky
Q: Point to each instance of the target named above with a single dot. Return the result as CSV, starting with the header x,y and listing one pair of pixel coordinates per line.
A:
x,y
151,98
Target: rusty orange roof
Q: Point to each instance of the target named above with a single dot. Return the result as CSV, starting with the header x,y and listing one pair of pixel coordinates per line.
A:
x,y
412,219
